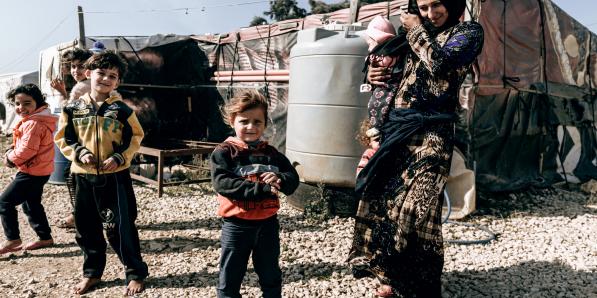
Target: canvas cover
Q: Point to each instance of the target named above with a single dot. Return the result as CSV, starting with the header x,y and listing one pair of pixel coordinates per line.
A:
x,y
533,107
167,84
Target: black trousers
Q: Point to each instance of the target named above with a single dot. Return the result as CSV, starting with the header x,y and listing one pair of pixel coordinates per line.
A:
x,y
69,178
107,202
27,190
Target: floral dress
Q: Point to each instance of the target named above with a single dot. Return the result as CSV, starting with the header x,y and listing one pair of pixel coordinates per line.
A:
x,y
398,235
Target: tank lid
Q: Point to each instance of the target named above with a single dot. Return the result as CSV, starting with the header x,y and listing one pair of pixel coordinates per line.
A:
x,y
318,41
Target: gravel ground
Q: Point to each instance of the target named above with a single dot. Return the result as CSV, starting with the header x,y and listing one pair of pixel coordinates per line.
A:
x,y
546,247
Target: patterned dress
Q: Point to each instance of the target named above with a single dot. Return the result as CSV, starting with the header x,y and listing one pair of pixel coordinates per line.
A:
x,y
398,235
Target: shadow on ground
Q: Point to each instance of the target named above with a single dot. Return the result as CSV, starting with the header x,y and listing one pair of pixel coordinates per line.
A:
x,y
287,223
528,279
548,202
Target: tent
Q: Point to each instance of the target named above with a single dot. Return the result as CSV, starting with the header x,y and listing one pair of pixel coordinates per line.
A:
x,y
532,116
167,84
8,82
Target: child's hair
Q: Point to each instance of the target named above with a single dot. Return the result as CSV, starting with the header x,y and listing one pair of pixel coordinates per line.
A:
x,y
76,54
362,134
245,101
107,59
29,89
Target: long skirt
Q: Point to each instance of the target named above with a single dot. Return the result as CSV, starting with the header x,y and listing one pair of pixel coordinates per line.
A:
x,y
398,235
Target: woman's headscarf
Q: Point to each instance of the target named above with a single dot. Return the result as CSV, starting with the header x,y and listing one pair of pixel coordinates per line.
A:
x,y
455,9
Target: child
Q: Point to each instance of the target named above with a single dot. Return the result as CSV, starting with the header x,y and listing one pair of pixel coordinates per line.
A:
x,y
32,153
248,176
371,142
74,59
386,49
100,134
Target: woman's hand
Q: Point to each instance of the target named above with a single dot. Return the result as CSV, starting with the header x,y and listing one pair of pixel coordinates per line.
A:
x,y
409,20
378,75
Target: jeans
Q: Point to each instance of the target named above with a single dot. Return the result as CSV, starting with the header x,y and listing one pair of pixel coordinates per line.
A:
x,y
259,239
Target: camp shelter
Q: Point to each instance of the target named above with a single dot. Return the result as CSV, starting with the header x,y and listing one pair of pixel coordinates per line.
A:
x,y
527,108
8,82
527,116
167,84
532,110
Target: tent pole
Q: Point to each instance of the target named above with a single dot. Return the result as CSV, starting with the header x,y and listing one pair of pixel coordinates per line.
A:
x,y
81,27
354,11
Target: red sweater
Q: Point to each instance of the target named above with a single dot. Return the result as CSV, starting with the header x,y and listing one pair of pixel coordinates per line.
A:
x,y
235,171
365,159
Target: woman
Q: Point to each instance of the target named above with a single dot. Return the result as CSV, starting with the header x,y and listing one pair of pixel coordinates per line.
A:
x,y
398,235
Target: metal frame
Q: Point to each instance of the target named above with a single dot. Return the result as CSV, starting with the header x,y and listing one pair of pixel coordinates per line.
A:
x,y
189,148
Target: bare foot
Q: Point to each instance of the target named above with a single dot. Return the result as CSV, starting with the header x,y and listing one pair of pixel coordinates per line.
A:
x,y
38,244
10,246
67,222
384,291
134,287
86,284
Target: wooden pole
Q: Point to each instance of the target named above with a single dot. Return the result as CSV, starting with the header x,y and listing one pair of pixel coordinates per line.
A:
x,y
354,11
81,27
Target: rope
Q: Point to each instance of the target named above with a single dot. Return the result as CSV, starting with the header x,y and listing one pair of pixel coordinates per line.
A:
x,y
546,83
134,52
591,98
506,80
266,87
388,10
229,91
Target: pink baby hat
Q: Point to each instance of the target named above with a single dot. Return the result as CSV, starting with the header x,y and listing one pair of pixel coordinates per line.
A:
x,y
380,29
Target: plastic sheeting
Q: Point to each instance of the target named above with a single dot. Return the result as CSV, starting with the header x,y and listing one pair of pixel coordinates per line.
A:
x,y
167,84
532,116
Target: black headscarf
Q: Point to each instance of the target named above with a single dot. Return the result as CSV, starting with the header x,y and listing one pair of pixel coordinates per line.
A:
x,y
455,9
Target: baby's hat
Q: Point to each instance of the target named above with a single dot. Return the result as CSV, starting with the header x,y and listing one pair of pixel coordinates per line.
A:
x,y
380,29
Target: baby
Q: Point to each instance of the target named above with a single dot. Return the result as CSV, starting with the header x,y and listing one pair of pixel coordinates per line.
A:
x,y
386,49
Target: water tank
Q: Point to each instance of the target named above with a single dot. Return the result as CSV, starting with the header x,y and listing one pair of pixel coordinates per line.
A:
x,y
325,107
60,162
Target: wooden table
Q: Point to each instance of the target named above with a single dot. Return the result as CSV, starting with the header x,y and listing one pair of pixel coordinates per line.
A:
x,y
182,148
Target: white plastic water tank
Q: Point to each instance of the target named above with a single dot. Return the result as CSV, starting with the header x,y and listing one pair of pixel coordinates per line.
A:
x,y
325,107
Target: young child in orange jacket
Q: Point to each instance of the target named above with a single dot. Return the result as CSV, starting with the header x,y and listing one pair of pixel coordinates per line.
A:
x,y
32,153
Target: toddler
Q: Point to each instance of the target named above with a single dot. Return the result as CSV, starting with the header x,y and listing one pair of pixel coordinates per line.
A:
x,y
248,175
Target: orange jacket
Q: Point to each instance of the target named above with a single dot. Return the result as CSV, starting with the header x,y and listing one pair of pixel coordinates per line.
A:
x,y
33,143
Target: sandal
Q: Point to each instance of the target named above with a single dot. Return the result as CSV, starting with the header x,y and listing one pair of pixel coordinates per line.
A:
x,y
38,244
